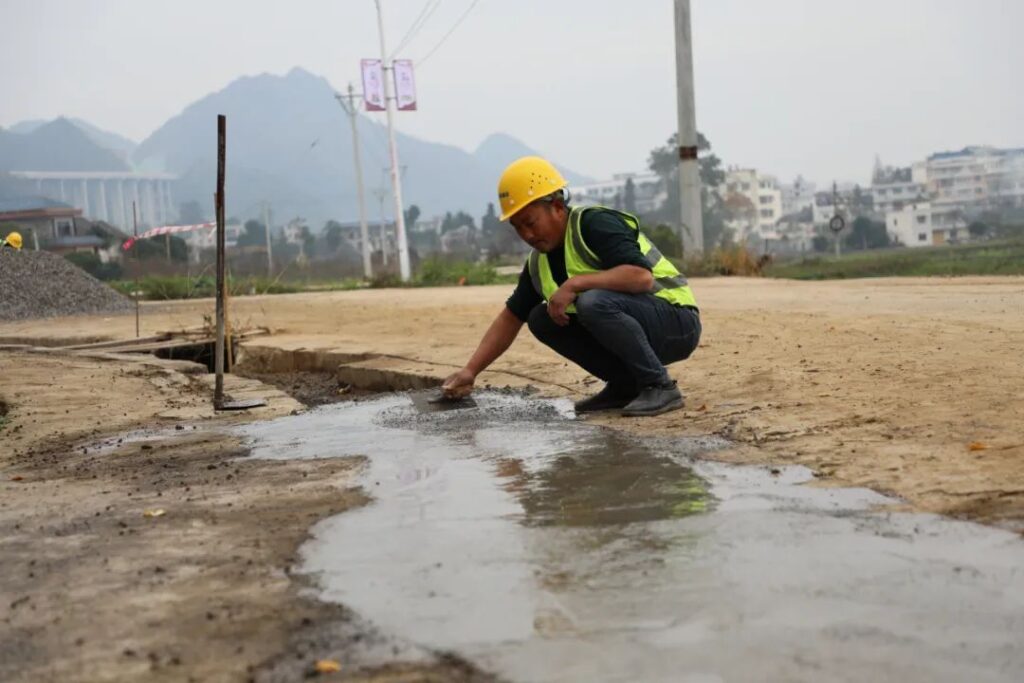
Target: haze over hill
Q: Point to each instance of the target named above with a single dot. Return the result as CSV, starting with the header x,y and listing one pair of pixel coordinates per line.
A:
x,y
289,142
116,143
59,145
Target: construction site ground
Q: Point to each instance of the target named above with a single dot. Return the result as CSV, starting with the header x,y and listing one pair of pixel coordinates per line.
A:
x,y
910,387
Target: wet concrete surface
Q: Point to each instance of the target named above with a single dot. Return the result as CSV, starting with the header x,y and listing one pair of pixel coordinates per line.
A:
x,y
544,549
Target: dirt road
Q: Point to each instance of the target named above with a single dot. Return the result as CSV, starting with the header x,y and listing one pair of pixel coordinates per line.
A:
x,y
909,387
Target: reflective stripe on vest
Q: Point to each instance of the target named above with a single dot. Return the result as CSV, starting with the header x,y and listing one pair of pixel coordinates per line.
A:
x,y
669,284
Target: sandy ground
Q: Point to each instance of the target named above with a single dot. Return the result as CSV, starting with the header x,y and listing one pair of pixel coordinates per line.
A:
x,y
166,558
913,387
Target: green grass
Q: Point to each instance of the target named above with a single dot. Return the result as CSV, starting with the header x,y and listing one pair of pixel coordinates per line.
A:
x,y
432,272
984,258
162,288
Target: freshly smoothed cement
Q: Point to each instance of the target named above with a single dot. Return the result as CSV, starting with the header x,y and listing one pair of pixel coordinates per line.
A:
x,y
545,549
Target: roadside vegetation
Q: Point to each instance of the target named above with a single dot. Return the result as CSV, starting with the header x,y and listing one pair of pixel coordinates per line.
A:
x,y
432,272
982,258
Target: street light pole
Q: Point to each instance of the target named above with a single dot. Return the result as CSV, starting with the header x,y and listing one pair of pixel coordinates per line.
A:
x,y
689,169
396,181
364,232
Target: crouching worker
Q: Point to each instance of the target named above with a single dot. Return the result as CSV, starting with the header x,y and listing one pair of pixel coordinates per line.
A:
x,y
595,290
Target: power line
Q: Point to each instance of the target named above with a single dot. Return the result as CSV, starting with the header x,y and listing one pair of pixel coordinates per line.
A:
x,y
446,35
417,25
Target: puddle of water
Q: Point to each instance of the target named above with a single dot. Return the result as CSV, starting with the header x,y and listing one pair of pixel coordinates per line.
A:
x,y
545,549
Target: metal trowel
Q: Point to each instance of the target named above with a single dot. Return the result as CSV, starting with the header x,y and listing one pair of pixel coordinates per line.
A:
x,y
436,402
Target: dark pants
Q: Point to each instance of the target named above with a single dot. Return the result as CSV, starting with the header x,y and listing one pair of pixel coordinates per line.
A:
x,y
625,339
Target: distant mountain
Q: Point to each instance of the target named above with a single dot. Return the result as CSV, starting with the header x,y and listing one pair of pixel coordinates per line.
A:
x,y
289,142
120,145
58,145
498,149
26,127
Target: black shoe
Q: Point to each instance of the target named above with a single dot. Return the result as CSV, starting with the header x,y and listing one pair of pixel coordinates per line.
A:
x,y
610,398
655,400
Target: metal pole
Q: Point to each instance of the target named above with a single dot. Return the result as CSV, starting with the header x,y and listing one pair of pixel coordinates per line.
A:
x,y
835,212
364,232
270,252
218,363
135,293
689,169
396,182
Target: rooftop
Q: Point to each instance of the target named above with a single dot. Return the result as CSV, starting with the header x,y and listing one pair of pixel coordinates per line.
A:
x,y
21,204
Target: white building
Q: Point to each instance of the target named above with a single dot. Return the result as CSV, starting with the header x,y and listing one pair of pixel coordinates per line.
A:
x,y
648,192
976,178
797,195
921,224
893,188
762,191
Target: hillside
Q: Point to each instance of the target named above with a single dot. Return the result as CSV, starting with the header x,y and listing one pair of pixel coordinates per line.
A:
x,y
59,145
289,142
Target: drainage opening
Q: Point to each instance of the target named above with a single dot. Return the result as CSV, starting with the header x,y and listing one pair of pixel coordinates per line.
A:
x,y
320,377
204,353
311,387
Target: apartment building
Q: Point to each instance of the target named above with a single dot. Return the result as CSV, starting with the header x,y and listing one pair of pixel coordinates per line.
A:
x,y
763,193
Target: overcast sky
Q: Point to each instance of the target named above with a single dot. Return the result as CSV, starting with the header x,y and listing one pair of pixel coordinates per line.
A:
x,y
816,87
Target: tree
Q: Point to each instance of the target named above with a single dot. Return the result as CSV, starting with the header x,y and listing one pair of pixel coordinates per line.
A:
x,y
629,197
666,239
490,224
453,221
860,202
867,234
738,207
411,215
498,237
664,161
254,234
820,243
448,222
190,213
977,229
156,248
463,218
333,235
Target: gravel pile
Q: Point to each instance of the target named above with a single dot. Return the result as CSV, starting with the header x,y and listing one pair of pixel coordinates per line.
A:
x,y
38,284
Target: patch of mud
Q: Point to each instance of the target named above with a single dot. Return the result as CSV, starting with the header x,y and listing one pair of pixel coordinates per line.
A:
x,y
311,387
167,554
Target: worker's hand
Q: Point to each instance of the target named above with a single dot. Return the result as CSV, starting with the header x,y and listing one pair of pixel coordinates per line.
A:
x,y
559,301
458,384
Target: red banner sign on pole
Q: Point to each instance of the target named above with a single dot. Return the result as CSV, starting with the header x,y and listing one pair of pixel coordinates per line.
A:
x,y
373,84
405,84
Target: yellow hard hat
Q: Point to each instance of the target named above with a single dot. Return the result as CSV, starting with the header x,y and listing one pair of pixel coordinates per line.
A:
x,y
526,180
14,239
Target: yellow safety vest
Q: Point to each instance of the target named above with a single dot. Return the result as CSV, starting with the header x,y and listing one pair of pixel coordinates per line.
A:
x,y
669,284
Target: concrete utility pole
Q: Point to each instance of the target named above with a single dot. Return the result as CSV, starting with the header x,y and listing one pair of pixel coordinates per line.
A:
x,y
266,226
396,181
382,227
689,169
364,232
